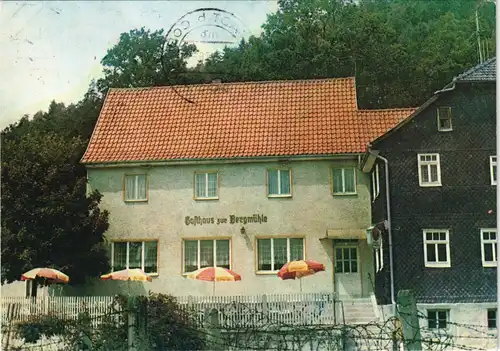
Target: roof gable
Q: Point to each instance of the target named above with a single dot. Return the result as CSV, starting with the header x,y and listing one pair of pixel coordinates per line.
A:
x,y
233,120
484,72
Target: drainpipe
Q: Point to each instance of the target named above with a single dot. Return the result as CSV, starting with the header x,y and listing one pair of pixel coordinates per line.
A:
x,y
444,90
389,225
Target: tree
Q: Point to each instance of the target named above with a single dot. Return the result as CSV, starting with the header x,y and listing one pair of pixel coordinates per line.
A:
x,y
142,59
47,217
400,51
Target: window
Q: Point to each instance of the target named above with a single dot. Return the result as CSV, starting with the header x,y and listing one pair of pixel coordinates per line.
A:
x,y
489,247
206,185
375,182
273,253
279,182
493,170
429,170
135,254
437,248
344,181
492,318
135,187
437,319
346,260
206,253
444,119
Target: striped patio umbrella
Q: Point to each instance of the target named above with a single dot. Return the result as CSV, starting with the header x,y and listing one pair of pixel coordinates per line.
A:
x,y
51,275
214,274
127,274
299,269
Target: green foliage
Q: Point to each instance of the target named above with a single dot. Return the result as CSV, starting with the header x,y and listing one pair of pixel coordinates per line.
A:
x,y
400,51
48,325
45,208
168,326
160,323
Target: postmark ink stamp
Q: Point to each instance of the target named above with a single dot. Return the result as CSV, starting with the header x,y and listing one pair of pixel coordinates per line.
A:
x,y
208,28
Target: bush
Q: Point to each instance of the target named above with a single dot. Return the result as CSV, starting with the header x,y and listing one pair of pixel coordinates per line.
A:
x,y
160,324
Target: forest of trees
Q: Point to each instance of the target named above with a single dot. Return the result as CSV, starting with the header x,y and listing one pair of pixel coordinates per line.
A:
x,y
400,52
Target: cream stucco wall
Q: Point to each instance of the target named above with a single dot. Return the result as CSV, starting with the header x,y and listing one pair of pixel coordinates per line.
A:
x,y
310,212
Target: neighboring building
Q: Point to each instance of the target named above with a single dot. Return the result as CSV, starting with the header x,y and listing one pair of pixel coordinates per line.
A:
x,y
240,175
443,177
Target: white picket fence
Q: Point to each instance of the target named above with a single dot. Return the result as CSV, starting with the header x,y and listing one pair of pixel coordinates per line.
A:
x,y
231,311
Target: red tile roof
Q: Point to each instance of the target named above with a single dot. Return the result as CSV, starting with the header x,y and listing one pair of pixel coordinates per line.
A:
x,y
278,118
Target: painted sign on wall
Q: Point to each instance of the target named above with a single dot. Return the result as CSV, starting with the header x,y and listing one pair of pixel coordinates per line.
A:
x,y
232,219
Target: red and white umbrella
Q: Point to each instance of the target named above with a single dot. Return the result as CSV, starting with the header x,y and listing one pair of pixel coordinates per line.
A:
x,y
214,274
299,269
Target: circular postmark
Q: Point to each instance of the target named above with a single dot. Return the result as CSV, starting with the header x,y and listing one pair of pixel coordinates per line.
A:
x,y
209,29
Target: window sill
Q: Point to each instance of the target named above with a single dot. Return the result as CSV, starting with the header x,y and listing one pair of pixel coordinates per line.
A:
x,y
153,275
266,272
441,265
345,194
489,264
133,201
445,129
430,185
206,198
279,196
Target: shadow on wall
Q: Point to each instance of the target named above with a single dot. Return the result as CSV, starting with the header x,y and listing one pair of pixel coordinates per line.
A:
x,y
98,287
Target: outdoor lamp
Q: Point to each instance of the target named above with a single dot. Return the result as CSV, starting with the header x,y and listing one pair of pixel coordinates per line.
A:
x,y
243,231
369,236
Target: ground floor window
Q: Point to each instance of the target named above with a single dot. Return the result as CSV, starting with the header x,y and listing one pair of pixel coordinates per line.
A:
x,y
273,253
206,253
492,318
437,319
135,254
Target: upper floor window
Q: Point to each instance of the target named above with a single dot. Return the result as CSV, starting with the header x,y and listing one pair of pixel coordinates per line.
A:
x,y
206,185
437,248
135,254
492,318
444,119
135,187
375,182
206,253
279,182
344,181
429,170
273,253
438,319
493,170
489,247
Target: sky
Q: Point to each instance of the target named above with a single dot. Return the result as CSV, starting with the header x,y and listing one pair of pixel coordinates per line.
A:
x,y
51,50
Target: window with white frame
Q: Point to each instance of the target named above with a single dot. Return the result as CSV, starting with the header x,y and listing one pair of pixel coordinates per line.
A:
x,y
489,247
206,185
273,253
429,170
493,170
492,318
135,254
375,182
279,182
444,119
344,181
206,253
437,248
135,187
438,319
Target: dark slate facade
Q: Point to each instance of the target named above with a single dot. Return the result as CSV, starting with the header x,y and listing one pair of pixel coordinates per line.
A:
x,y
463,204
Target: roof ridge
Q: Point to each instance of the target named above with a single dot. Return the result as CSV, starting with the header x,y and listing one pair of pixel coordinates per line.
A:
x,y
280,81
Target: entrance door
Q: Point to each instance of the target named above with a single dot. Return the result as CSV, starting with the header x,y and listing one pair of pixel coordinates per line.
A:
x,y
347,275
